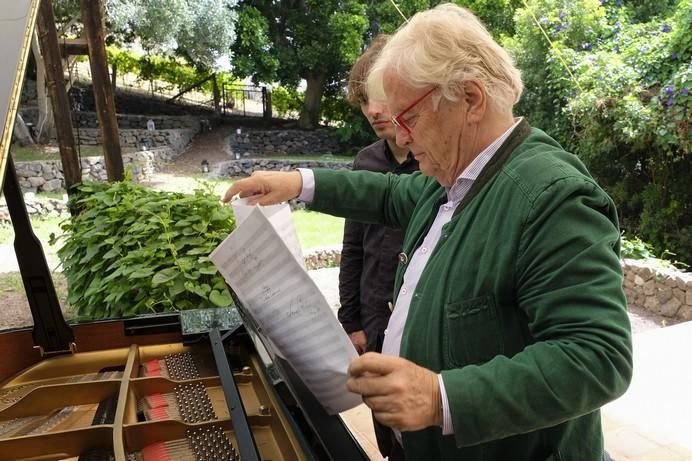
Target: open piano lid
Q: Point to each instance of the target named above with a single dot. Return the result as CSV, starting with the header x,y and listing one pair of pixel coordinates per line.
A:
x,y
58,372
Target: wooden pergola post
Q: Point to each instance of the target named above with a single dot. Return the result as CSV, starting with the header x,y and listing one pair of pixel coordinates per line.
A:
x,y
103,92
55,81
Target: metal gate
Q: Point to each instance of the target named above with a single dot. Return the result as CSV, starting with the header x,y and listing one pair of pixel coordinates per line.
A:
x,y
246,100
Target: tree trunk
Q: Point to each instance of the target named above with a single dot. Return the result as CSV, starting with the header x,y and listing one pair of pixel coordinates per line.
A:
x,y
45,125
310,115
114,75
48,38
103,92
21,132
217,96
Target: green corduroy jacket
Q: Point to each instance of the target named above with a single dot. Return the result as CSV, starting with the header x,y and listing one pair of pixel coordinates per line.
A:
x,y
520,307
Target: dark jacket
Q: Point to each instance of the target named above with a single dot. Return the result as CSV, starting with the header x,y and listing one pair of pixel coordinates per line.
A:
x,y
369,257
520,306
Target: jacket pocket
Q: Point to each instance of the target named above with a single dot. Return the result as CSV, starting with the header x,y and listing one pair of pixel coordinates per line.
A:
x,y
472,331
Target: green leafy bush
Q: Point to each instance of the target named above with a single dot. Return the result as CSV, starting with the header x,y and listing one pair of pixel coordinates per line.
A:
x,y
614,89
286,102
173,71
132,250
635,248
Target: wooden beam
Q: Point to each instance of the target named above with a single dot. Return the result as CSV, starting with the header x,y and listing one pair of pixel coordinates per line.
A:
x,y
55,80
92,17
74,47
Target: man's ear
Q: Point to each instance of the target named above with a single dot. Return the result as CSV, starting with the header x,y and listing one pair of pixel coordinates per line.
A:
x,y
476,99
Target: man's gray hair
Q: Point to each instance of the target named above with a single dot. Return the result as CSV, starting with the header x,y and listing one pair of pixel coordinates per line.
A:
x,y
444,46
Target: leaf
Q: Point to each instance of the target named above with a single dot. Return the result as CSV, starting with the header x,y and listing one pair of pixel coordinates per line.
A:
x,y
142,273
177,288
221,299
165,275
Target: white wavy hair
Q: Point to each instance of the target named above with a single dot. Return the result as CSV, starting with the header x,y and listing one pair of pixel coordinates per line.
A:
x,y
445,46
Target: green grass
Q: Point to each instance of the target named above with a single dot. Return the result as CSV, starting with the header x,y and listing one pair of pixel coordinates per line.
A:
x,y
317,229
42,227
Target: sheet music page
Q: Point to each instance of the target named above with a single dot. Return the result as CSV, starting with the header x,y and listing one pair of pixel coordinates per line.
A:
x,y
279,216
288,309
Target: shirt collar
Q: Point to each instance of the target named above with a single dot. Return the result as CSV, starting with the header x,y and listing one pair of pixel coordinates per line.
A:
x,y
474,168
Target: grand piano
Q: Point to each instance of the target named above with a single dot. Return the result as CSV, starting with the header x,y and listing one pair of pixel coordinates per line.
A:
x,y
197,385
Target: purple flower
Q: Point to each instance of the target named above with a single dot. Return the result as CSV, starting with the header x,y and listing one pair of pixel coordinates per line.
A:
x,y
669,102
602,2
563,15
599,78
559,28
618,3
684,91
674,56
669,90
586,46
618,24
665,28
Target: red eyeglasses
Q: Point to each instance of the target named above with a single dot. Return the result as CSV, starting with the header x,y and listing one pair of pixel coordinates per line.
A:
x,y
398,120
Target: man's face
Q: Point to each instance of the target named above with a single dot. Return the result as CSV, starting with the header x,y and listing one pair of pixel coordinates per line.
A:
x,y
379,118
433,136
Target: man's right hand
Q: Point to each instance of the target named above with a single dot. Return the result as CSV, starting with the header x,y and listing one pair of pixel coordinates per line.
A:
x,y
359,340
271,187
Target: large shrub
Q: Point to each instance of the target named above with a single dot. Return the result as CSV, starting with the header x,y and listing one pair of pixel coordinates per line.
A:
x,y
614,89
131,250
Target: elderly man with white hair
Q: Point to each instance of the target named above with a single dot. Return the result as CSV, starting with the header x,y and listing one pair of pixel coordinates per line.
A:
x,y
509,329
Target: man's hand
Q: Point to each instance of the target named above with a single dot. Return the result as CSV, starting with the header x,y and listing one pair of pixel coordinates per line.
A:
x,y
401,394
359,340
271,186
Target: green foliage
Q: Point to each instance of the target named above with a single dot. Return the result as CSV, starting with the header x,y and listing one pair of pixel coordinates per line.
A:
x,y
131,251
165,69
315,40
353,128
201,31
286,101
635,248
626,110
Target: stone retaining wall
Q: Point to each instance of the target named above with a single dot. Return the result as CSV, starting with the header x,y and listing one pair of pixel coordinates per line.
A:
x,y
139,122
47,176
281,142
321,258
245,167
35,206
660,289
177,139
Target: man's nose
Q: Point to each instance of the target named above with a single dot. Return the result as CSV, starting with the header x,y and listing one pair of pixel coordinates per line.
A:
x,y
403,137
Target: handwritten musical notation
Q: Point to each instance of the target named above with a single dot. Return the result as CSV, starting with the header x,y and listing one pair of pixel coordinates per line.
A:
x,y
289,309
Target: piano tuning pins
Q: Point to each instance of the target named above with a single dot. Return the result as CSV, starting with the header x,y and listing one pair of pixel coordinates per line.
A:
x,y
181,366
194,404
211,444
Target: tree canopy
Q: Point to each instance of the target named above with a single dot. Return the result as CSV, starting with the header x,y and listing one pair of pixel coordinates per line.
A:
x,y
289,40
317,41
200,31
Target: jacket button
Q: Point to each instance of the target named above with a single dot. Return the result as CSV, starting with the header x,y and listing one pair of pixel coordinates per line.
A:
x,y
403,258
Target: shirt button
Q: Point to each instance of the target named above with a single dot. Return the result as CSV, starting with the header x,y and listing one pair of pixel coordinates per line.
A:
x,y
403,291
424,250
